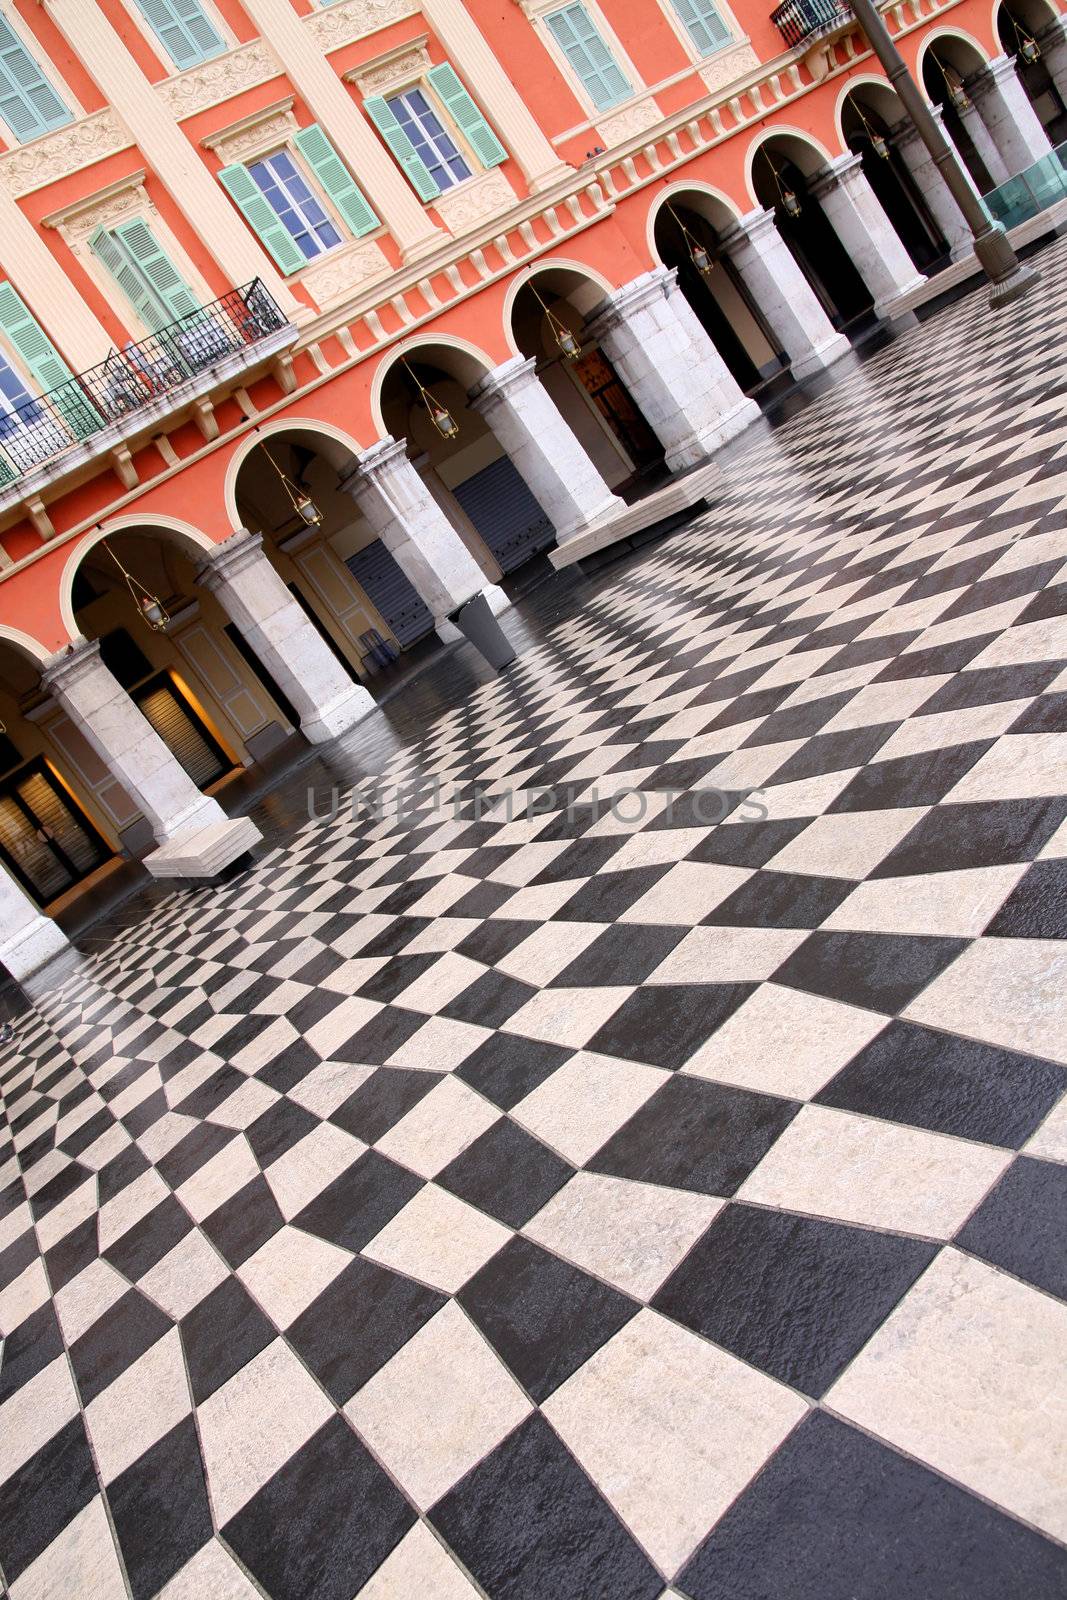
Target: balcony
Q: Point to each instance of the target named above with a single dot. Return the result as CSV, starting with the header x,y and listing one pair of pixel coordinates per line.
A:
x,y
134,391
804,22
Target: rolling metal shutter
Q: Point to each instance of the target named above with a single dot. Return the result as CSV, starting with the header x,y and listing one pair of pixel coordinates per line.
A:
x,y
182,732
376,571
505,513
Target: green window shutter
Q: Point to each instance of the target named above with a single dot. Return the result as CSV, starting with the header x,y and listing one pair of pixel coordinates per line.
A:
x,y
703,24
47,367
465,114
412,165
601,76
336,179
28,103
7,472
184,31
156,268
261,217
147,304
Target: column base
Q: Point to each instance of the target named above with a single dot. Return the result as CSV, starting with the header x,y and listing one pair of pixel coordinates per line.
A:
x,y
888,310
698,447
32,945
206,814
204,852
819,358
329,721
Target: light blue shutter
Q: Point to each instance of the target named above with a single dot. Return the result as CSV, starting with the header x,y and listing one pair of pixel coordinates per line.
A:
x,y
415,169
336,179
601,76
187,35
50,372
703,24
156,268
261,217
28,103
147,304
465,114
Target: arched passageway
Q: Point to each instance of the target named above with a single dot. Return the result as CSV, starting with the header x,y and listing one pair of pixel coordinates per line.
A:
x,y
1031,33
876,127
586,388
946,63
689,229
784,172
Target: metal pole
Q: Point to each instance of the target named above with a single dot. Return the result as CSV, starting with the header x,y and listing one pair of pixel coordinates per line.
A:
x,y
1008,275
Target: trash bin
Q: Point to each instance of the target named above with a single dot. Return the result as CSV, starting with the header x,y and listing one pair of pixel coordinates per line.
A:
x,y
477,623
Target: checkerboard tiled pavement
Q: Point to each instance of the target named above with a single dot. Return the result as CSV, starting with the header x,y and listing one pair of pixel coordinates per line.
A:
x,y
590,1208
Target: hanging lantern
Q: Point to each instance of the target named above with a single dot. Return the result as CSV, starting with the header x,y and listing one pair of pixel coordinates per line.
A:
x,y
150,608
301,502
957,95
440,416
1029,50
568,345
698,255
787,196
878,144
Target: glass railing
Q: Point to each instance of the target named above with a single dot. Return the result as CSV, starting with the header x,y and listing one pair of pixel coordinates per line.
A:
x,y
1030,191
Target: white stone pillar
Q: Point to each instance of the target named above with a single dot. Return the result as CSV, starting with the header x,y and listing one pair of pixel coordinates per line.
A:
x,y
769,271
409,522
1053,42
542,448
128,745
853,211
677,378
29,938
280,632
984,147
935,192
1005,108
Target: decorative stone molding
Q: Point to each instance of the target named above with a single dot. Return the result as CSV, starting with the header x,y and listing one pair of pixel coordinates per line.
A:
x,y
56,155
486,195
720,71
632,120
218,80
391,71
348,20
253,135
343,272
101,210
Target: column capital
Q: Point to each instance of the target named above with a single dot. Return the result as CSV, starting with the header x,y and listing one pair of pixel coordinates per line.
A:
x,y
504,381
388,455
241,550
70,665
844,170
994,72
749,229
631,297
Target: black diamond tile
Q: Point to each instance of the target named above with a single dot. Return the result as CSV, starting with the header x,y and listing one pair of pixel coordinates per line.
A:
x,y
605,897
795,1296
1020,1225
988,833
507,1173
665,1023
621,955
837,1516
528,1524
881,971
379,1038
987,685
915,780
28,1347
380,1102
746,844
197,1148
543,1316
490,1000
244,1222
695,1135
834,752
772,899
115,1341
506,1067
221,1335
148,1241
160,1509
948,1084
1037,906
359,1203
277,1130
43,1496
358,1323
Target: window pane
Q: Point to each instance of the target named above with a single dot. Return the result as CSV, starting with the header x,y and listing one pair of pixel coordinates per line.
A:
x,y
435,148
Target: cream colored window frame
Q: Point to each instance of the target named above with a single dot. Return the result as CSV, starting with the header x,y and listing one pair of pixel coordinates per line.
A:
x,y
405,68
738,36
537,10
47,66
159,49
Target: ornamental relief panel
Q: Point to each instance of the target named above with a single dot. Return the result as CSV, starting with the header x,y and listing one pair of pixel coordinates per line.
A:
x,y
347,20
218,80
399,68
484,196
344,272
629,122
726,68
114,205
55,155
246,143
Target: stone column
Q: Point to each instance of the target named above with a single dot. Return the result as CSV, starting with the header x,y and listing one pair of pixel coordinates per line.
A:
x,y
29,939
985,149
866,232
1005,108
129,746
932,186
677,378
282,635
409,522
542,448
783,294
1053,42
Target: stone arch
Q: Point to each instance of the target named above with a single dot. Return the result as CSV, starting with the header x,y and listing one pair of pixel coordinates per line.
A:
x,y
872,123
600,287
468,361
187,537
954,45
809,154
25,645
337,443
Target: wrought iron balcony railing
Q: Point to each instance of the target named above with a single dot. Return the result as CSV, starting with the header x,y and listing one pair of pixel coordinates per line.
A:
x,y
798,21
134,378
